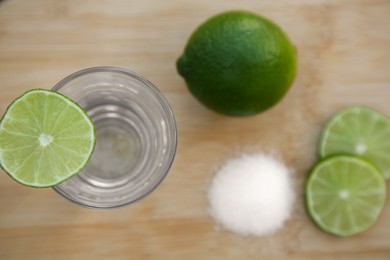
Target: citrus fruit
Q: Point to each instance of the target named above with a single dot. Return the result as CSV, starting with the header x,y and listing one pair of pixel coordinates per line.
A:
x,y
359,131
45,138
238,63
345,195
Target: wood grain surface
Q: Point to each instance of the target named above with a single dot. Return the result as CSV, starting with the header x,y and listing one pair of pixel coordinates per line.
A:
x,y
344,59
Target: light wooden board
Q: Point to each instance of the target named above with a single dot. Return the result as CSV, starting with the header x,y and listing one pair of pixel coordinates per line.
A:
x,y
344,59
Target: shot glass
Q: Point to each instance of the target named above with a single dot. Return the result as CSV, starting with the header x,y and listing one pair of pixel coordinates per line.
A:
x,y
136,137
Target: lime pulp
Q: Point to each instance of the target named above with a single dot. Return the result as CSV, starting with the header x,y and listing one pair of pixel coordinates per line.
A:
x,y
345,195
45,138
359,131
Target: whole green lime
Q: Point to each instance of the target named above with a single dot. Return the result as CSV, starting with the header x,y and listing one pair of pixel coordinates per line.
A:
x,y
238,63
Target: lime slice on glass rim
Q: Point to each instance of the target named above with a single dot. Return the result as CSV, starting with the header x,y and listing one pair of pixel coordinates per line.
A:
x,y
45,138
345,195
359,131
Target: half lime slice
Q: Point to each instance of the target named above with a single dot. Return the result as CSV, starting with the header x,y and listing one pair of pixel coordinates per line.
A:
x,y
359,131
345,195
45,138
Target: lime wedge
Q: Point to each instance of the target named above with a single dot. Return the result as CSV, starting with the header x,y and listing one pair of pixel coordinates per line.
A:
x,y
345,195
359,131
45,138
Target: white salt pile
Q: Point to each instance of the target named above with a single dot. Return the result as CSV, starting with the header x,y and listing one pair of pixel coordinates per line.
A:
x,y
252,195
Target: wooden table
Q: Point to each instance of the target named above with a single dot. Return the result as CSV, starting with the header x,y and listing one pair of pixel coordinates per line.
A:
x,y
344,59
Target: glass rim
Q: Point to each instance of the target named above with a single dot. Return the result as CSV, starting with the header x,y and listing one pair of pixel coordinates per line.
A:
x,y
164,105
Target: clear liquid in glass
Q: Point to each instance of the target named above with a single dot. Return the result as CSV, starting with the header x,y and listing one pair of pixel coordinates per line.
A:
x,y
135,137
